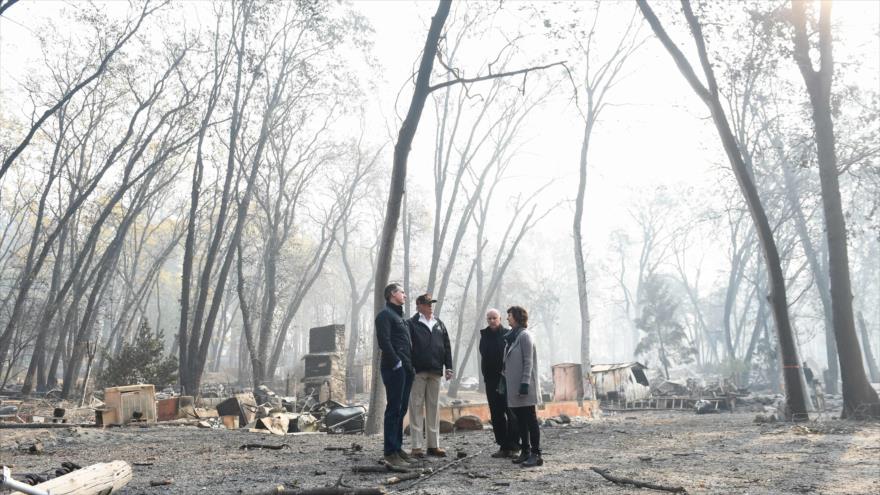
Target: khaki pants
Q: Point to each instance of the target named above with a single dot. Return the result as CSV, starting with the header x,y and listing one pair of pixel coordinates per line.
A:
x,y
423,402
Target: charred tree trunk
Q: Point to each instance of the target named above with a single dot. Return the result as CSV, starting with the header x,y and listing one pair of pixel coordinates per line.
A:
x,y
407,229
395,195
191,320
869,355
461,310
859,398
596,84
794,393
580,269
820,275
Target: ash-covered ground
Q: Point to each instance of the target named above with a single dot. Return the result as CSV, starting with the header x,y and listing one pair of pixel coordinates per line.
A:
x,y
718,453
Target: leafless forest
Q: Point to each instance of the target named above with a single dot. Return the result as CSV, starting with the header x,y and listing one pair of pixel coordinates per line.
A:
x,y
193,186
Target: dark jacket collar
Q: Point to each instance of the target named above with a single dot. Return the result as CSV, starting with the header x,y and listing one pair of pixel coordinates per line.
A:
x,y
501,332
398,310
511,336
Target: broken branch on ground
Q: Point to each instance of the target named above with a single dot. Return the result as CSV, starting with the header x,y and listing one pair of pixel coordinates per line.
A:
x,y
638,484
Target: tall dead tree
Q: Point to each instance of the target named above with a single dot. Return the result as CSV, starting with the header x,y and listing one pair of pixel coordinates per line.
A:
x,y
869,354
796,408
395,196
742,244
859,398
651,214
357,297
597,79
357,294
193,330
422,90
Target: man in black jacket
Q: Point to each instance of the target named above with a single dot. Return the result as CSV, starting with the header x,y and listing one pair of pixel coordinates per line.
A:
x,y
392,332
492,363
431,353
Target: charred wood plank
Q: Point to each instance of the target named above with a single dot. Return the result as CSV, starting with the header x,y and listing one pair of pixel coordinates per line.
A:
x,y
102,478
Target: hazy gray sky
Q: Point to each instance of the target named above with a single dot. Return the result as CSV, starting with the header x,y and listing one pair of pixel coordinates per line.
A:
x,y
656,133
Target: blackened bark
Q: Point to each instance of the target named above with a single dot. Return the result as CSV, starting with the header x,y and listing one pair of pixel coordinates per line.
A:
x,y
820,276
869,354
395,195
794,393
859,398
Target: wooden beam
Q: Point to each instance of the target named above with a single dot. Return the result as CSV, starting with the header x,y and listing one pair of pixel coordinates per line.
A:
x,y
97,479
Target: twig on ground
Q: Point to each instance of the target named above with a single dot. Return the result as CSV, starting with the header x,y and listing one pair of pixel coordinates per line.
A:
x,y
249,446
441,468
639,484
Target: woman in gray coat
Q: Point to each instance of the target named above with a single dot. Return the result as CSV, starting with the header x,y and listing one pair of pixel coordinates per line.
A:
x,y
523,389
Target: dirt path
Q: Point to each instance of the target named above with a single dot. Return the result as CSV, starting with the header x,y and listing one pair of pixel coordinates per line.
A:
x,y
721,453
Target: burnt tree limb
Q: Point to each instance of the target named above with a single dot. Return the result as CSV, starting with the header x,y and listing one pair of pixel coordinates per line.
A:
x,y
638,484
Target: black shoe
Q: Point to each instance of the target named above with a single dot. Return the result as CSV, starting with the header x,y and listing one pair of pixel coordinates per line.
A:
x,y
406,458
436,452
394,460
522,456
533,460
501,454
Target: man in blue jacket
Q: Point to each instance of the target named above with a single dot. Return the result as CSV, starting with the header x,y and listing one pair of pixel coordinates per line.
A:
x,y
392,332
431,353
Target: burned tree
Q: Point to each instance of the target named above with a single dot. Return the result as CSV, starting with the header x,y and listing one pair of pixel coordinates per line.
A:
x,y
860,399
422,90
795,398
597,76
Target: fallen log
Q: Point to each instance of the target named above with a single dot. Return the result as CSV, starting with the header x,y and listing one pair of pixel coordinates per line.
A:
x,y
97,479
638,484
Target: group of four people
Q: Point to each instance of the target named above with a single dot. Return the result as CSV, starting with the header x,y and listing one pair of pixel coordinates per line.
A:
x,y
416,355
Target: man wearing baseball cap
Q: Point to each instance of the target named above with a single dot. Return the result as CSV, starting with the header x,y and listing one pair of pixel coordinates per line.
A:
x,y
431,353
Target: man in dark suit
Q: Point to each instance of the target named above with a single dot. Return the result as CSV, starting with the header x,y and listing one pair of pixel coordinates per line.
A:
x,y
491,363
392,332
